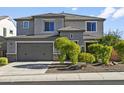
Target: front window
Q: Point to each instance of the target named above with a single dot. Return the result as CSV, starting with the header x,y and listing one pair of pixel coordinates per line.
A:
x,y
91,26
25,24
49,26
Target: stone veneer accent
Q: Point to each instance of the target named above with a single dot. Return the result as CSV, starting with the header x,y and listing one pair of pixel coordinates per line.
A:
x,y
11,57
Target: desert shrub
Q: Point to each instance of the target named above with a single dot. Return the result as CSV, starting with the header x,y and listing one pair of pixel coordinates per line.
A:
x,y
101,52
119,47
67,48
3,61
115,56
86,57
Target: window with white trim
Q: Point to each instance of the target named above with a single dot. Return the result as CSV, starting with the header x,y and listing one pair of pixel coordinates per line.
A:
x,y
49,26
91,26
25,24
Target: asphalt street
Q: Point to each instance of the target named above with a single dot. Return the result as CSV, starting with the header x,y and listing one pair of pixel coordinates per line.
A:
x,y
93,82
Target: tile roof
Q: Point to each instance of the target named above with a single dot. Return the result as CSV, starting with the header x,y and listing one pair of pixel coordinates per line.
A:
x,y
69,28
49,15
33,36
67,16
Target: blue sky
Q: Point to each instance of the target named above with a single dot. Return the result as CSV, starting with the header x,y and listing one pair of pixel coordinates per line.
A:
x,y
114,16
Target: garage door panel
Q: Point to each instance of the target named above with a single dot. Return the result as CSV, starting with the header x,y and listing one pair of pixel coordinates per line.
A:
x,y
34,51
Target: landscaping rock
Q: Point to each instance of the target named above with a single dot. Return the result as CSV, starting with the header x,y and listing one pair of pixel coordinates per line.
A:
x,y
110,64
114,63
74,67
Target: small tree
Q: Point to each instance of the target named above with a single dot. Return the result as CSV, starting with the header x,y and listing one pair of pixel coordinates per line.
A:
x,y
67,47
108,40
61,45
73,51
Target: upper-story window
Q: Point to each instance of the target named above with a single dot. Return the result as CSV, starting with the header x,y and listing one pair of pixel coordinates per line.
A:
x,y
25,24
91,26
4,31
49,26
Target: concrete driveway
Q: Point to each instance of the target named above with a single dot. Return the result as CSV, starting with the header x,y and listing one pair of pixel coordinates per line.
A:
x,y
24,68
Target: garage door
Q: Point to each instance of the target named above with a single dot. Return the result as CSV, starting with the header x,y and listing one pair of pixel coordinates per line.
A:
x,y
34,51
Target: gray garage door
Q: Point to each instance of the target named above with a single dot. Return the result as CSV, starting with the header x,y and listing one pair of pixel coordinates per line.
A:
x,y
34,51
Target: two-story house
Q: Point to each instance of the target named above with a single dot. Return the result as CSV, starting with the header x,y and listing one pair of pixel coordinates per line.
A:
x,y
7,29
36,34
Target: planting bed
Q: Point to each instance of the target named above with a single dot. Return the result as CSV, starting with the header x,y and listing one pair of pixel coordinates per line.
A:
x,y
90,68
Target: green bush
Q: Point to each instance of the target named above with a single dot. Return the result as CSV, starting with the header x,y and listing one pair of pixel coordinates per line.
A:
x,y
67,48
101,52
62,57
3,61
61,45
86,57
119,47
73,52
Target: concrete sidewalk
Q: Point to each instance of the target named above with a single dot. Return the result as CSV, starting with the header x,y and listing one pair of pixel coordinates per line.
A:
x,y
63,77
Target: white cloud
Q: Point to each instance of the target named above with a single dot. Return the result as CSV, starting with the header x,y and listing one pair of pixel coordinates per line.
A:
x,y
107,12
119,13
74,9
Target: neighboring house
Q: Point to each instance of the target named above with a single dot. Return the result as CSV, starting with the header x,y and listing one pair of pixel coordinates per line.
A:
x,y
3,47
7,26
36,34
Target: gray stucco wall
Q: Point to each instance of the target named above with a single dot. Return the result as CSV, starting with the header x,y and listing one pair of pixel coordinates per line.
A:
x,y
21,31
39,25
76,24
78,36
82,25
12,45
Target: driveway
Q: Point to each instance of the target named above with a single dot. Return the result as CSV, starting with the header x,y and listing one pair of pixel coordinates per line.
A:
x,y
24,68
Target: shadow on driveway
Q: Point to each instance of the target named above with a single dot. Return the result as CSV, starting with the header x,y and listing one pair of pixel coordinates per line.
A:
x,y
42,66
32,66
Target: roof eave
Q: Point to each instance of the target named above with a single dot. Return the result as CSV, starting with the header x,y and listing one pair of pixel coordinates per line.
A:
x,y
71,30
85,19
